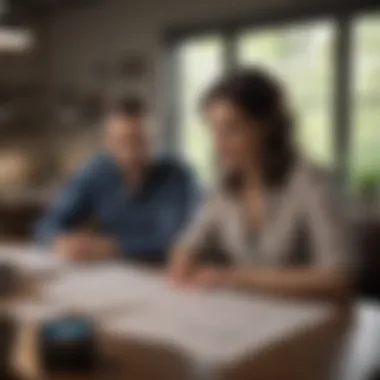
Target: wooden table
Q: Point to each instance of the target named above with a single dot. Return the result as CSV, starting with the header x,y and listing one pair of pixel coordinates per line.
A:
x,y
309,355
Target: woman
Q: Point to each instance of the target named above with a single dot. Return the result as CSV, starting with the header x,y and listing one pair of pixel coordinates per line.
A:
x,y
267,197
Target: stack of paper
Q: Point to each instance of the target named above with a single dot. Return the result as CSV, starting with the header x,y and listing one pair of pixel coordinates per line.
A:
x,y
104,288
30,259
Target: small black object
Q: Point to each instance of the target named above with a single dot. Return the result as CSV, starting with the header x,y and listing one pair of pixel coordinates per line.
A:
x,y
8,279
67,344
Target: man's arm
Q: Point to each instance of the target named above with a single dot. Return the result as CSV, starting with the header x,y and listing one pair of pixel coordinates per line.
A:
x,y
60,225
71,208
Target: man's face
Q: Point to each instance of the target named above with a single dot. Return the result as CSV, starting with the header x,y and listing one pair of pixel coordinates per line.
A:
x,y
127,139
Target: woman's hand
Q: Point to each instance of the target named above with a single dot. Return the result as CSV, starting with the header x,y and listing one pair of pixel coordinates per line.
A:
x,y
180,267
184,272
209,277
198,277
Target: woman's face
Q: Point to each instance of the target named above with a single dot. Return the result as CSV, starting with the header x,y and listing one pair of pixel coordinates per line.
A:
x,y
236,138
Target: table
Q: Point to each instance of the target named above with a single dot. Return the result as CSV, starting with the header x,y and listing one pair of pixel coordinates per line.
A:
x,y
306,355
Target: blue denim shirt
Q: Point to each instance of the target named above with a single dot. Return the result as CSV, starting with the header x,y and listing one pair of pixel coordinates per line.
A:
x,y
144,224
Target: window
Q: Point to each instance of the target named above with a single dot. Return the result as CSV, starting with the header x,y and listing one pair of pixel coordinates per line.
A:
x,y
364,168
304,55
200,62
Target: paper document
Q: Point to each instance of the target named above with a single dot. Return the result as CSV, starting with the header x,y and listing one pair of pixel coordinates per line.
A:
x,y
104,288
30,259
219,327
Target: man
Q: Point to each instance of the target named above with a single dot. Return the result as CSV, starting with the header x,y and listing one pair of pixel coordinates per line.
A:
x,y
138,203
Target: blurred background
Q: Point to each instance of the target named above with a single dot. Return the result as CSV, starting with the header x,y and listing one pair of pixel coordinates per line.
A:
x,y
61,60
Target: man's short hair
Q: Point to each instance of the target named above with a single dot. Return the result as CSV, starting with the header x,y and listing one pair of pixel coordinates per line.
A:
x,y
130,106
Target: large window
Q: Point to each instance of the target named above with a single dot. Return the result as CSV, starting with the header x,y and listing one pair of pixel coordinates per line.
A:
x,y
302,57
305,56
364,168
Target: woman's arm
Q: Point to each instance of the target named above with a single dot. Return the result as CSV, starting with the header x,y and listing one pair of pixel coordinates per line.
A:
x,y
196,239
181,266
296,282
329,273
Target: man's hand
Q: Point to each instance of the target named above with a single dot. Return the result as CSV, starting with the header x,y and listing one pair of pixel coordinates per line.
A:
x,y
84,246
